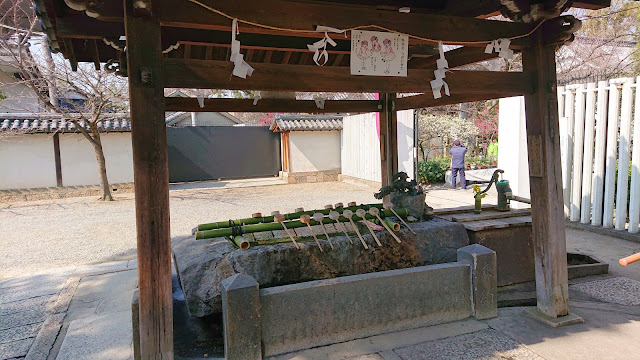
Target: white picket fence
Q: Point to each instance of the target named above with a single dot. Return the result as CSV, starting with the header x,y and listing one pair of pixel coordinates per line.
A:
x,y
597,122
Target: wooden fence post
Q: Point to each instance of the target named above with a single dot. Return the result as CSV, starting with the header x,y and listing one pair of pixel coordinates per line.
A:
x,y
569,111
587,171
151,181
612,151
598,170
634,205
624,148
578,144
545,175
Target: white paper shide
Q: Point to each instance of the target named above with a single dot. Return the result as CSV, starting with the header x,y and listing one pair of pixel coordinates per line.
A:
x,y
378,53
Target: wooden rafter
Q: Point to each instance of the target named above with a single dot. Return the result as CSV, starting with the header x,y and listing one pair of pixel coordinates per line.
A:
x,y
271,105
181,73
460,57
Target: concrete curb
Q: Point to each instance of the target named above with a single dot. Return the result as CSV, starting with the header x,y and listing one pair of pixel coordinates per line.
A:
x,y
621,234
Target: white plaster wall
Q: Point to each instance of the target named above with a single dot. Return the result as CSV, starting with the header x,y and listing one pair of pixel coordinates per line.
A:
x,y
79,161
19,98
512,147
314,150
406,150
27,161
361,147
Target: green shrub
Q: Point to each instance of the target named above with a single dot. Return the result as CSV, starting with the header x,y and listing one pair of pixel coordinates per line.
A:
x,y
433,170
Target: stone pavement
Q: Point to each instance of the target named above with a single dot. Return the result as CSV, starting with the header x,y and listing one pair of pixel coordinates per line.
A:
x,y
64,312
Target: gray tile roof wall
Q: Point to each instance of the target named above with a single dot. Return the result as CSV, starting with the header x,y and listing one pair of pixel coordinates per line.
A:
x,y
307,122
50,123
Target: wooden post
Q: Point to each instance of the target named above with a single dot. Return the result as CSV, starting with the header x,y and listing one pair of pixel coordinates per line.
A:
x,y
151,181
56,156
388,138
545,176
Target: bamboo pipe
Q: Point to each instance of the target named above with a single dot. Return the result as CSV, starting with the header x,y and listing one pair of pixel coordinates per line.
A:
x,y
362,214
629,259
241,242
280,218
268,219
392,225
306,219
335,216
251,228
389,206
319,217
376,212
349,214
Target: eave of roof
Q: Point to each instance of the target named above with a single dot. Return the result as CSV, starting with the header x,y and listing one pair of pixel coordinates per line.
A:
x,y
46,123
326,122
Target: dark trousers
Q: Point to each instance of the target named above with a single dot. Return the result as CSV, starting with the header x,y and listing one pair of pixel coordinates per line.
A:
x,y
454,174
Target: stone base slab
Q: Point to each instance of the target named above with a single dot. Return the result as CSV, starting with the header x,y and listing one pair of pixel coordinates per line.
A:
x,y
317,313
570,319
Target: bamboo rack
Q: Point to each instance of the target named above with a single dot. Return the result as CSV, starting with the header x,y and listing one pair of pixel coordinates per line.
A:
x,y
252,228
270,219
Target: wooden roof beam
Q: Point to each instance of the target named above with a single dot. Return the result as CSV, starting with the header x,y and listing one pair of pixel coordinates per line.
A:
x,y
449,29
460,57
427,100
184,73
271,105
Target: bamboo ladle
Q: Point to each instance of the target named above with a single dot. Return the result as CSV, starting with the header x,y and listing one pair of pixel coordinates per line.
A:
x,y
305,219
376,212
348,214
335,216
280,218
361,213
319,217
389,206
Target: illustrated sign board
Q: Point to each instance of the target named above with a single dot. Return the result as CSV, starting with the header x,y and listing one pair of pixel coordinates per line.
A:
x,y
378,53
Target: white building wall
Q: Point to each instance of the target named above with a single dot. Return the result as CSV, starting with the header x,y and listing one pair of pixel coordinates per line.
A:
x,y
512,147
79,161
361,147
314,150
27,161
406,150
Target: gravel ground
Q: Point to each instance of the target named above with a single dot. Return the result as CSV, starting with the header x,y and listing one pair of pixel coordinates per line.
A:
x,y
46,234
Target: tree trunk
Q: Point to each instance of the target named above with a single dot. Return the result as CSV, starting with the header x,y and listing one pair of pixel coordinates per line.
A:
x,y
102,169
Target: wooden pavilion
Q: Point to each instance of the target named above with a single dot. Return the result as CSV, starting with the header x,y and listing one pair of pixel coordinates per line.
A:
x,y
274,37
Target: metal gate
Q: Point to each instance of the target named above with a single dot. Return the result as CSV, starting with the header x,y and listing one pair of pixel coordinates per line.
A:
x,y
222,152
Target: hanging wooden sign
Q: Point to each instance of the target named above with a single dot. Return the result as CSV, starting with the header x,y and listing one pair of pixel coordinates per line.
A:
x,y
378,53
